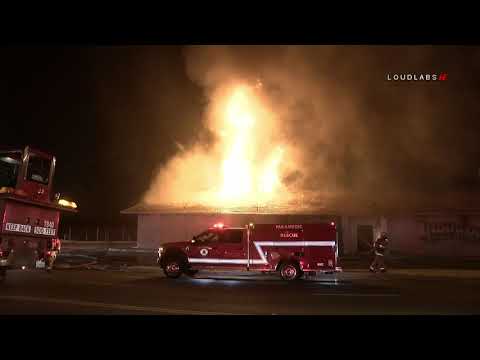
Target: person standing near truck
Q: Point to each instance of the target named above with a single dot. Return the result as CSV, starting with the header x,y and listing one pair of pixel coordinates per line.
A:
x,y
379,248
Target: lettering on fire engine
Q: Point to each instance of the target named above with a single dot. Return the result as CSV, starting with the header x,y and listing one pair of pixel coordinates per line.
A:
x,y
49,224
204,252
18,227
43,231
289,235
289,227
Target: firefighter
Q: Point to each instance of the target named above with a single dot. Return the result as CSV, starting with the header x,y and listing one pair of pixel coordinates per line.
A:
x,y
379,247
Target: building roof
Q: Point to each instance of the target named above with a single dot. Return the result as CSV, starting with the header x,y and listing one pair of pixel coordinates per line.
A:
x,y
346,204
143,208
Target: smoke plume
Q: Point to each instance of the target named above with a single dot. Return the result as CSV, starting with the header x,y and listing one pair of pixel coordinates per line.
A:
x,y
343,127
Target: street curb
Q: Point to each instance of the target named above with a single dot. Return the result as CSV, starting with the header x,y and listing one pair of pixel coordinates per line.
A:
x,y
133,250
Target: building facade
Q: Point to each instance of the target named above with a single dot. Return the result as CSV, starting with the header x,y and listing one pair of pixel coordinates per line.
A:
x,y
430,233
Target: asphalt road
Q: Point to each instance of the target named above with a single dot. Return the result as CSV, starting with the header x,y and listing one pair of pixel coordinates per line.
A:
x,y
144,290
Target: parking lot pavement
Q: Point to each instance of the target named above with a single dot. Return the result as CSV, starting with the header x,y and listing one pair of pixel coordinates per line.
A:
x,y
145,259
100,282
145,290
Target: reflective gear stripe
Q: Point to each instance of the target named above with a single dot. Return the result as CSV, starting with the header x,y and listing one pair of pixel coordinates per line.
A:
x,y
223,261
258,246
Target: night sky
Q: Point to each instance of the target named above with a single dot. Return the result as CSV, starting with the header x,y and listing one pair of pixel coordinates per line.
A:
x,y
112,115
108,114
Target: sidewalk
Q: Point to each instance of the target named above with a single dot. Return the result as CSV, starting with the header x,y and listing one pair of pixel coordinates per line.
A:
x,y
127,253
413,262
75,245
348,275
105,253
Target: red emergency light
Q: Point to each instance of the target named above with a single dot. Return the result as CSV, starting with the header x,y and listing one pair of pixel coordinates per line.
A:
x,y
332,223
218,226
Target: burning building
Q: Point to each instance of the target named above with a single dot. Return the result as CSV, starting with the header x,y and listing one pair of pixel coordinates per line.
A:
x,y
245,176
302,146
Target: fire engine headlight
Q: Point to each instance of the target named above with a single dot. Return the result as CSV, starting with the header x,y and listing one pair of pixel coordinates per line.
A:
x,y
67,203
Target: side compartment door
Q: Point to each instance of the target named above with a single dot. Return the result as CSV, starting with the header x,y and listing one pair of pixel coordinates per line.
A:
x,y
320,246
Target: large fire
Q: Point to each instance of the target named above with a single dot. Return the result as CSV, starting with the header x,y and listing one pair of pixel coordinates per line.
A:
x,y
246,178
247,160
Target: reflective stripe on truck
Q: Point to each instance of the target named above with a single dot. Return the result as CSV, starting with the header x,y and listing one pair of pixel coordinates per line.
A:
x,y
258,246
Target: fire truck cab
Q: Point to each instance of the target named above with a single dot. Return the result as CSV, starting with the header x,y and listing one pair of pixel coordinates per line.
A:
x,y
289,249
30,213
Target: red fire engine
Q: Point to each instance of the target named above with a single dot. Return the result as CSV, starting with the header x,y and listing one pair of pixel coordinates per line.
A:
x,y
29,213
290,249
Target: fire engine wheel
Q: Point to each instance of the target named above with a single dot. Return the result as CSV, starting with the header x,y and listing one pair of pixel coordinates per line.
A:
x,y
173,268
290,271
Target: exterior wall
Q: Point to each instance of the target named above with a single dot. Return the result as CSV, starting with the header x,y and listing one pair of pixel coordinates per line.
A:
x,y
349,231
433,234
156,229
457,235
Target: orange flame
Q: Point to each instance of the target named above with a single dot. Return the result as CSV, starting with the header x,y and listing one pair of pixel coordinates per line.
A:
x,y
246,178
244,166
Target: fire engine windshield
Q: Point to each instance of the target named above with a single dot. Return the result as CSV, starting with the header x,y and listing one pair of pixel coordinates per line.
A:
x,y
9,167
38,169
